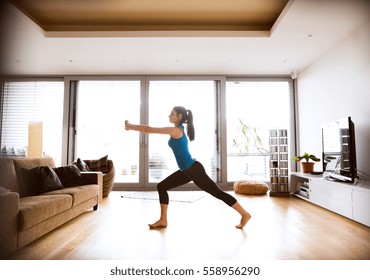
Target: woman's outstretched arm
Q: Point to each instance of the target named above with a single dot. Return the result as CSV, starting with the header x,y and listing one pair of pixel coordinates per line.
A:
x,y
172,131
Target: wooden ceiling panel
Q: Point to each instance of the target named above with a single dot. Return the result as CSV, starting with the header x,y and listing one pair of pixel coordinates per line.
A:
x,y
127,15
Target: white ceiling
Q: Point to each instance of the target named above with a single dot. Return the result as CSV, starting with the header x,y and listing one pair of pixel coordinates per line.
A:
x,y
306,30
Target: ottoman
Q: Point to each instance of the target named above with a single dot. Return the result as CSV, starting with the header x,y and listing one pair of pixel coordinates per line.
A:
x,y
250,187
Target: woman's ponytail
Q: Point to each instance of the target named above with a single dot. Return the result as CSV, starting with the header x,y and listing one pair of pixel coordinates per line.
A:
x,y
187,117
190,125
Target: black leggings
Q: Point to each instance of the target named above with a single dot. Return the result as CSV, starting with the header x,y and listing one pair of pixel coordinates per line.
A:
x,y
198,175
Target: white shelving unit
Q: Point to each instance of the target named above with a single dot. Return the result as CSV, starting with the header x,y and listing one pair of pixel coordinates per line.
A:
x,y
279,161
349,200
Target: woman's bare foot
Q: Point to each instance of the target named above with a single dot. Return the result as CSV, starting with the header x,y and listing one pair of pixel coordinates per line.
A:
x,y
244,220
158,224
245,215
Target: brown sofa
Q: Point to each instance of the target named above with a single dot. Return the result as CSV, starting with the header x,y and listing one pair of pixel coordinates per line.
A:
x,y
27,214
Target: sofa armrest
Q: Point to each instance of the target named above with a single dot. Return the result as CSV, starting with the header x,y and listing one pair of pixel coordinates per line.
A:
x,y
9,208
94,177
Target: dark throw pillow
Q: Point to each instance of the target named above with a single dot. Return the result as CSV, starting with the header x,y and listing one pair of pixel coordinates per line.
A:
x,y
69,176
98,164
51,181
38,180
81,165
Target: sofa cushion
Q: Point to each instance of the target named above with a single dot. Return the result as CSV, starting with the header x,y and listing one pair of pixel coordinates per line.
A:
x,y
69,176
29,163
81,165
28,186
37,180
79,194
98,164
50,180
35,209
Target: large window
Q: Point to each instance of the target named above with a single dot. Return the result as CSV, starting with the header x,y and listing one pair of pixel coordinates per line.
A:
x,y
102,108
252,109
232,118
26,102
200,98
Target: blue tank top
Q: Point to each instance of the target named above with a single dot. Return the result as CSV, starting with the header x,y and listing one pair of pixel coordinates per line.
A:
x,y
180,149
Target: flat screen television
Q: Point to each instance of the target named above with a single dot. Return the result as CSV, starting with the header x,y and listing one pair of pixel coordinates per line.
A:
x,y
339,150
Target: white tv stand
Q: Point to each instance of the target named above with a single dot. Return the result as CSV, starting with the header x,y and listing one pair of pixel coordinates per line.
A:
x,y
347,199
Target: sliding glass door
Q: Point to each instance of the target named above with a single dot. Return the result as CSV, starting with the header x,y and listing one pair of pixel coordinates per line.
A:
x,y
102,108
253,108
201,98
232,119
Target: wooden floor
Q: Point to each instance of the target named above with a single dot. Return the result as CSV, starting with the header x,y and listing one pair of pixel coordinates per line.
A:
x,y
280,229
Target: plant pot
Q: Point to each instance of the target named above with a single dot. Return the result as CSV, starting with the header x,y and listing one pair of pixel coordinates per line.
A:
x,y
307,167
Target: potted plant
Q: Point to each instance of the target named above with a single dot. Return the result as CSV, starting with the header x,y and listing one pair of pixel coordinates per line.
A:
x,y
307,165
248,141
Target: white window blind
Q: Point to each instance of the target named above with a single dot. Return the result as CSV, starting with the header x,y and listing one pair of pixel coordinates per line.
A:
x,y
24,102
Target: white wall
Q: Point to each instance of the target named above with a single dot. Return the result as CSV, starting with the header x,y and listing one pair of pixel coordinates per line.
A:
x,y
337,85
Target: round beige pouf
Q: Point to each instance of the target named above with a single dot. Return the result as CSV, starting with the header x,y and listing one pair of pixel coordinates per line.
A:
x,y
250,187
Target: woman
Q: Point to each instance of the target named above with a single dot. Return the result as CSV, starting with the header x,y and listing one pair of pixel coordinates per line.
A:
x,y
189,169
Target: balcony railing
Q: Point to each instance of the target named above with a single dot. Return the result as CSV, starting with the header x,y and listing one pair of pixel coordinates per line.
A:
x,y
242,166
